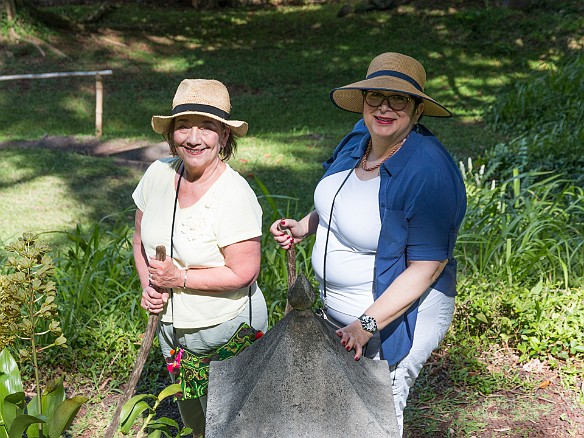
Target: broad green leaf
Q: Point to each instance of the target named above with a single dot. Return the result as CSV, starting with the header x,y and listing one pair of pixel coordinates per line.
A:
x,y
33,409
53,396
481,317
21,423
137,409
64,415
12,406
129,406
159,426
187,431
164,421
169,391
10,380
155,434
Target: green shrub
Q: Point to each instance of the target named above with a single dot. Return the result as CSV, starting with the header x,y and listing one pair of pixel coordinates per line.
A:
x,y
96,278
544,117
543,321
522,229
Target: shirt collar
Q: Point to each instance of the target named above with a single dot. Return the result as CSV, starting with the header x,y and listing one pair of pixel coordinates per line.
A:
x,y
399,160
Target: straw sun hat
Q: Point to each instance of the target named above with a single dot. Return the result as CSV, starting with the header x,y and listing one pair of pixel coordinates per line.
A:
x,y
205,97
389,72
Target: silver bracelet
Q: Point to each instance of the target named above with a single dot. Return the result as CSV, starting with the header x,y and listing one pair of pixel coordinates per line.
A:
x,y
185,281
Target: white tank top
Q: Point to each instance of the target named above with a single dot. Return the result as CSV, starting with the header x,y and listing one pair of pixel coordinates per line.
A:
x,y
354,233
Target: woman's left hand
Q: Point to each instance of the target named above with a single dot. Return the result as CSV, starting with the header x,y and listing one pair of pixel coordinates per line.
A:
x,y
164,274
353,337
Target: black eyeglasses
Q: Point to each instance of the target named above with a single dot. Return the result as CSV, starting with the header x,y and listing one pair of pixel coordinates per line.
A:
x,y
395,101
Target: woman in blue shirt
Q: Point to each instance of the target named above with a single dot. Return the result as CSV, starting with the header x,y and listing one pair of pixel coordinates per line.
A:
x,y
387,213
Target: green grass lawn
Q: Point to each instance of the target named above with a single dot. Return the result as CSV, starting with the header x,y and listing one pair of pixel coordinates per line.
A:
x,y
279,64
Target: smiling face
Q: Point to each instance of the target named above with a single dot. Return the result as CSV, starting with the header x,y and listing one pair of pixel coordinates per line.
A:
x,y
198,140
386,125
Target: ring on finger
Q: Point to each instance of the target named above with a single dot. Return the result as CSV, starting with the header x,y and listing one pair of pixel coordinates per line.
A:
x,y
150,276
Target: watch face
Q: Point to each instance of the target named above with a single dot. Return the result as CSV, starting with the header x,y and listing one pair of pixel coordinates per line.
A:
x,y
368,323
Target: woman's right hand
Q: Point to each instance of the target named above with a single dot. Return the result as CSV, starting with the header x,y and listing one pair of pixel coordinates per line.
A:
x,y
152,300
287,232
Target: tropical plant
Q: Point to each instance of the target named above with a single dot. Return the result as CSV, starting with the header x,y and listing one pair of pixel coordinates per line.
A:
x,y
94,274
138,405
28,294
526,227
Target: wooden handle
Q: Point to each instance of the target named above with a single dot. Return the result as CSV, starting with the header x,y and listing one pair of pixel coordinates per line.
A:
x,y
291,263
153,320
161,253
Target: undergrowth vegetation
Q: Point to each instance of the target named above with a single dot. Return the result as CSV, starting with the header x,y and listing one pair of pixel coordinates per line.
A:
x,y
544,118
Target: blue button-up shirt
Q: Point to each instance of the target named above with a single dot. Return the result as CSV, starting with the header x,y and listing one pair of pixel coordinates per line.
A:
x,y
422,201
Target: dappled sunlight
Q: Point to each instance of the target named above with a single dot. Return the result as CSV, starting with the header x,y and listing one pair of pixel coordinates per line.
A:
x,y
279,65
52,190
164,40
174,66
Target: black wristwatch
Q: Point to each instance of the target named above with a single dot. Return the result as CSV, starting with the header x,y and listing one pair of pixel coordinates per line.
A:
x,y
368,323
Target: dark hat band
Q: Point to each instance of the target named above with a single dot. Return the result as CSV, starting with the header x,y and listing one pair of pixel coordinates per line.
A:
x,y
199,108
396,74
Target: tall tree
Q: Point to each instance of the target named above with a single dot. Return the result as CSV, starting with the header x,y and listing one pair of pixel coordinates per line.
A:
x,y
10,8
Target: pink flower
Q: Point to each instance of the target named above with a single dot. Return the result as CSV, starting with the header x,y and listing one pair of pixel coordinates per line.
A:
x,y
174,366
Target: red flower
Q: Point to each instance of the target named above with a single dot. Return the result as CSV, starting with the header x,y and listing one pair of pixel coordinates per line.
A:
x,y
259,334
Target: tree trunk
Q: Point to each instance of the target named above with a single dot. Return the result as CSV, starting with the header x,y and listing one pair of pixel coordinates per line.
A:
x,y
10,9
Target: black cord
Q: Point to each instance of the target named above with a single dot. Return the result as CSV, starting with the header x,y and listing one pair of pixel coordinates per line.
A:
x,y
328,229
172,249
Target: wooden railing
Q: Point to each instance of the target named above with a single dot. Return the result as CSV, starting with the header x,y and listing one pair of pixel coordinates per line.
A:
x,y
98,88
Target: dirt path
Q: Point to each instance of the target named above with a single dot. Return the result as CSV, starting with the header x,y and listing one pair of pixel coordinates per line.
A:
x,y
138,154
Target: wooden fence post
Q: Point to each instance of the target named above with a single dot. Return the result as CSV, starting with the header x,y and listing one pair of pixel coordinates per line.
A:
x,y
98,105
98,88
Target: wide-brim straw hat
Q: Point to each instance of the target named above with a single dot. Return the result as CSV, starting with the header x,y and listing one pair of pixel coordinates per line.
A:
x,y
389,72
204,97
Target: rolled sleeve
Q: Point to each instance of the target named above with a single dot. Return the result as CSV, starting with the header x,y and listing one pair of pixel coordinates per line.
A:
x,y
431,222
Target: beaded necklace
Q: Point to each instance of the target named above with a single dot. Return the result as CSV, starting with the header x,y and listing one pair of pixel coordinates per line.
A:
x,y
392,150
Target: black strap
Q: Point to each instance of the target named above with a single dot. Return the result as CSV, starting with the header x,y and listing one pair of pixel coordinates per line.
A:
x,y
328,229
172,248
200,108
397,74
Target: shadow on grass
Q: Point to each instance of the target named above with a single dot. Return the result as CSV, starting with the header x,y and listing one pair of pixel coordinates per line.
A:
x,y
279,63
52,190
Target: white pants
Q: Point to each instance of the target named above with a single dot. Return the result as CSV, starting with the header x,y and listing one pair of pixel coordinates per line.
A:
x,y
434,317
